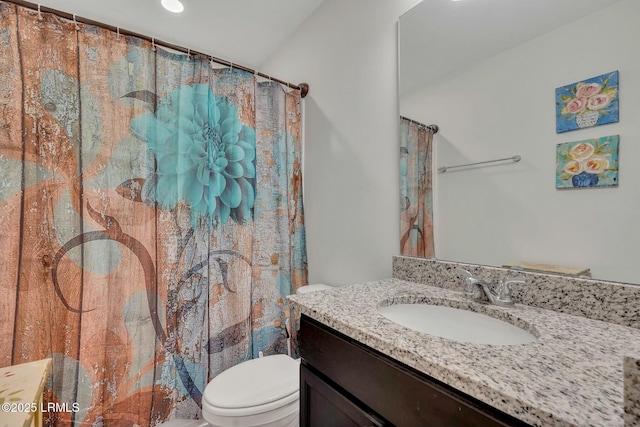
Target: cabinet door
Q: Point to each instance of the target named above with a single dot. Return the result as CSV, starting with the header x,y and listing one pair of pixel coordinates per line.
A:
x,y
321,405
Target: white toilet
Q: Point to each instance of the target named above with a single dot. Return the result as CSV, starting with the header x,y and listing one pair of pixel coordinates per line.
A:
x,y
262,392
258,392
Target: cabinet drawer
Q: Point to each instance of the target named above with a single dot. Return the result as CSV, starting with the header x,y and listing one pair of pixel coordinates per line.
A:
x,y
401,395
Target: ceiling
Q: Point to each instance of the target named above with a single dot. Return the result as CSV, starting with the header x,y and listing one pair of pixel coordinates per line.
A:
x,y
438,37
246,32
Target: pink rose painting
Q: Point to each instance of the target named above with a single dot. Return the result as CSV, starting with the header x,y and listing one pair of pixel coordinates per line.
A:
x,y
588,163
591,102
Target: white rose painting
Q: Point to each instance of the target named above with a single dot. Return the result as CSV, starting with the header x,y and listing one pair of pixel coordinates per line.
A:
x,y
588,163
592,102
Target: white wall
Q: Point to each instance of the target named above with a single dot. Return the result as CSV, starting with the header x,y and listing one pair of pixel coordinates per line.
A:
x,y
505,106
347,52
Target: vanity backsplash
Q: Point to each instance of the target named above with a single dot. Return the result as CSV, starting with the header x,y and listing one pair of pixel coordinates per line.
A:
x,y
595,299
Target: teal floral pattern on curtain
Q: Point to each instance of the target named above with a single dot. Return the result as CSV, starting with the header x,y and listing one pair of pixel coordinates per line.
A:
x,y
153,219
205,155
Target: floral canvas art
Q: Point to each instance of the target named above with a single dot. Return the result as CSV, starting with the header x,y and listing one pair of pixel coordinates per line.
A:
x,y
588,163
592,102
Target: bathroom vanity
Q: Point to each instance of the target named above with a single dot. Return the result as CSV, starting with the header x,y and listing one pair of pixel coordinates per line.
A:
x,y
365,370
345,383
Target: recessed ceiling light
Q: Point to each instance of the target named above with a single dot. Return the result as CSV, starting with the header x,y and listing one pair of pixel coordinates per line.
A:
x,y
174,6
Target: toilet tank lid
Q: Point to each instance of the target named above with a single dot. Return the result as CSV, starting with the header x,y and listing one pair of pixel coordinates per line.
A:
x,y
254,382
313,288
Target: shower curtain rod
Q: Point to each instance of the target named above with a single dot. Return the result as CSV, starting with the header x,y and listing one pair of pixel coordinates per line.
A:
x,y
302,87
433,128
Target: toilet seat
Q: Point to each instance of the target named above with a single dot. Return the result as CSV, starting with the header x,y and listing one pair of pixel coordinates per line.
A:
x,y
251,410
267,387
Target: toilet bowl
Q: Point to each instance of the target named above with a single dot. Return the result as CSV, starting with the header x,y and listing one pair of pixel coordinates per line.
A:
x,y
262,392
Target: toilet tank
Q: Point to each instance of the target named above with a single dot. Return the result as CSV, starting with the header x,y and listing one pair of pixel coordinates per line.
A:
x,y
312,288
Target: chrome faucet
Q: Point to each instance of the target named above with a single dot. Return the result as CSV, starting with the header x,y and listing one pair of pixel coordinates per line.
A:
x,y
499,294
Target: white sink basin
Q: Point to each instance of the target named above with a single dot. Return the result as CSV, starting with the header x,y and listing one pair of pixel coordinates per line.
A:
x,y
455,324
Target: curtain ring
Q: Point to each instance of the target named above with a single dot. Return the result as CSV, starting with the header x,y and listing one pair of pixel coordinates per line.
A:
x,y
39,13
75,22
153,44
117,33
188,53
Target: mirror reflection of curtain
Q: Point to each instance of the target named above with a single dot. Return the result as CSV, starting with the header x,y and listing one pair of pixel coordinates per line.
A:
x,y
416,194
151,214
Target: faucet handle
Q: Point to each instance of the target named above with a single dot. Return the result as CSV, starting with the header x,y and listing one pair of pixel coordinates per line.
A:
x,y
470,281
504,286
503,292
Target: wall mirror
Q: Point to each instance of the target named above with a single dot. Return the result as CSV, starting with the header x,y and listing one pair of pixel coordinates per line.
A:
x,y
485,72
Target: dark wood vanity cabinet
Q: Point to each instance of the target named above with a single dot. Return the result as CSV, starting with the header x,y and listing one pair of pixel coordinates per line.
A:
x,y
344,383
327,406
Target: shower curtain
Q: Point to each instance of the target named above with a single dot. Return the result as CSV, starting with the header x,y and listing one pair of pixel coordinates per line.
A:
x,y
151,214
416,191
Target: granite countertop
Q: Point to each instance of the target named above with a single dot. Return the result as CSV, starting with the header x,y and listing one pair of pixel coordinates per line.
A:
x,y
571,376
